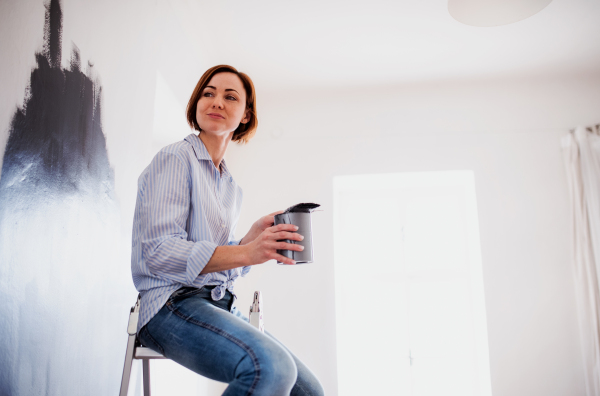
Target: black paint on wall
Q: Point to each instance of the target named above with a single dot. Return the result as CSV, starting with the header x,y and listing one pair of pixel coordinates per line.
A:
x,y
58,234
56,144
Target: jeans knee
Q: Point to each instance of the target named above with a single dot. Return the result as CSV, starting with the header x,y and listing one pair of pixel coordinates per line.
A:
x,y
278,369
307,384
315,389
268,370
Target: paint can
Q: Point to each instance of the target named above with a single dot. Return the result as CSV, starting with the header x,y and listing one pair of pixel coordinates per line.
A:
x,y
299,215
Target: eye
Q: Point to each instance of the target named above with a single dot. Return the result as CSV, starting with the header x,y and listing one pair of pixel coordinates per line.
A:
x,y
231,97
207,94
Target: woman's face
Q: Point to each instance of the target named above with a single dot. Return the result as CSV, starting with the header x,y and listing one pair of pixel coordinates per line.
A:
x,y
222,105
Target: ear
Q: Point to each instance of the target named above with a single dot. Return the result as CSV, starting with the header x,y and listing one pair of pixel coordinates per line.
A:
x,y
246,117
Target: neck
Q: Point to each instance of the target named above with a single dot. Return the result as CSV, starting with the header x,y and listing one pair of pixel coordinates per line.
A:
x,y
216,146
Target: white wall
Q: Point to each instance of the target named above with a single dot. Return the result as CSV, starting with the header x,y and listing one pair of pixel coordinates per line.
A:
x,y
506,131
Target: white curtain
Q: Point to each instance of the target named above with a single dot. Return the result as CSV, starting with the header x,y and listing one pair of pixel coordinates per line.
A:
x,y
581,150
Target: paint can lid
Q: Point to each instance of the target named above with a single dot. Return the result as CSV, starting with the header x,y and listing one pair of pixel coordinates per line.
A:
x,y
302,208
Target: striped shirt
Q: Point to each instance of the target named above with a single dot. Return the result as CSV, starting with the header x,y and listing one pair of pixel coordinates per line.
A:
x,y
185,208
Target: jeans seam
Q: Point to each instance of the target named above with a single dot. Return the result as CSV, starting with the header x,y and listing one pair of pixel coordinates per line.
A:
x,y
231,338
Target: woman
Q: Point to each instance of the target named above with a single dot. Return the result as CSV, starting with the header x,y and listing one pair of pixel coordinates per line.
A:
x,y
185,259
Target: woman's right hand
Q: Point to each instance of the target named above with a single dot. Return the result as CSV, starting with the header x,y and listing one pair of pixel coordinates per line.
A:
x,y
265,246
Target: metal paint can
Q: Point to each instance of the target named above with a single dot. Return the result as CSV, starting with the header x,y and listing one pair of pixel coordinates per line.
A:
x,y
299,215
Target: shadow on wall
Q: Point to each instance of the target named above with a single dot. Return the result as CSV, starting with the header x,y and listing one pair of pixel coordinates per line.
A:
x,y
60,281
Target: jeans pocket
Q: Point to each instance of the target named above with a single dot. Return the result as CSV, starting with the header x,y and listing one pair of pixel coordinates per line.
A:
x,y
148,341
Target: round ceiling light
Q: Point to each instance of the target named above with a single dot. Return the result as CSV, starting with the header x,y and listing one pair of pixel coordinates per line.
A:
x,y
494,12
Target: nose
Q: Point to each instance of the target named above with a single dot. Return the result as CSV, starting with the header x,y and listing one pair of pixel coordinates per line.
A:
x,y
217,102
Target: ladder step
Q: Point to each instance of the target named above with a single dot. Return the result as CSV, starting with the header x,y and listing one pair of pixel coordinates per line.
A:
x,y
147,353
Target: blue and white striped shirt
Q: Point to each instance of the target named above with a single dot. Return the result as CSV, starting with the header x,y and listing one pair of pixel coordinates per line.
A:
x,y
185,208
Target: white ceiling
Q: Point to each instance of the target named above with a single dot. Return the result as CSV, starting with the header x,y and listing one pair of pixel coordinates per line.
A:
x,y
308,43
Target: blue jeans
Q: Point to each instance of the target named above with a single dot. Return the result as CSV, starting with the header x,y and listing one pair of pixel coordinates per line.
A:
x,y
216,341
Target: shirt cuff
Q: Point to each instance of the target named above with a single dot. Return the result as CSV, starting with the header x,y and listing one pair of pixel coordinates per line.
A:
x,y
234,242
245,270
199,257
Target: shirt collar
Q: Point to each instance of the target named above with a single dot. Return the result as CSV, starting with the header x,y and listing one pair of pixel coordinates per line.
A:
x,y
202,153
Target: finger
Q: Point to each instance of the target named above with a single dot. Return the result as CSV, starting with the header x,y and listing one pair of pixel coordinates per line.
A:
x,y
287,235
283,227
289,246
283,259
268,221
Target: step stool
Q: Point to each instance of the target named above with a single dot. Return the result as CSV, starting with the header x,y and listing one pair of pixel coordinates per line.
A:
x,y
136,351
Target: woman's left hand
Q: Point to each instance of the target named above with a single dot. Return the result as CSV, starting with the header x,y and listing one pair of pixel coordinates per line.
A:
x,y
259,226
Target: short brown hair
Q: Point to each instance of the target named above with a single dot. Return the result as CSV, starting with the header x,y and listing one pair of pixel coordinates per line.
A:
x,y
244,132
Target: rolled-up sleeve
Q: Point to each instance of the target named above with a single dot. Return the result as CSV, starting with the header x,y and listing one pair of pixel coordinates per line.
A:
x,y
245,270
164,215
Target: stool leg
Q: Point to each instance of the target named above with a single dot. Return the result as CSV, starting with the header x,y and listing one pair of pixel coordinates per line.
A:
x,y
146,363
127,366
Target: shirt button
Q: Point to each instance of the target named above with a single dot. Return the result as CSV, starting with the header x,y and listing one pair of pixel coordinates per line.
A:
x,y
223,225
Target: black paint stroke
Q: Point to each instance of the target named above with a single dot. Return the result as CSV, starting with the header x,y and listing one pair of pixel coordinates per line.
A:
x,y
56,144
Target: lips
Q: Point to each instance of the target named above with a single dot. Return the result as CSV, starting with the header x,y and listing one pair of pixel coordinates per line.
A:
x,y
215,115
